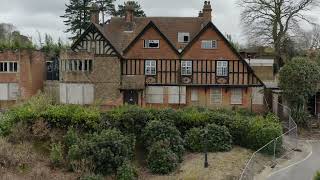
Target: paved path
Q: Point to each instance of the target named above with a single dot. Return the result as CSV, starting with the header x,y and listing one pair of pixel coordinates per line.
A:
x,y
303,170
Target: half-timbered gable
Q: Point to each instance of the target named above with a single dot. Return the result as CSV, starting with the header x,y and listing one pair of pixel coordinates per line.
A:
x,y
94,41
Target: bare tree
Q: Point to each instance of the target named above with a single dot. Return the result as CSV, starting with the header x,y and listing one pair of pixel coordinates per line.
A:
x,y
271,21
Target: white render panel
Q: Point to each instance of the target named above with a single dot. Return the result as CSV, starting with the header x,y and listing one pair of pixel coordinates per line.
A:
x,y
257,96
154,94
13,91
76,93
176,94
63,93
4,91
88,94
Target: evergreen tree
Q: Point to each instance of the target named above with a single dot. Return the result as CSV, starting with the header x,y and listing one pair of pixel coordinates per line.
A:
x,y
106,8
138,12
77,15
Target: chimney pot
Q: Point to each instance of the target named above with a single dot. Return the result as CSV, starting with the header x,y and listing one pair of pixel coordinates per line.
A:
x,y
207,11
129,8
94,13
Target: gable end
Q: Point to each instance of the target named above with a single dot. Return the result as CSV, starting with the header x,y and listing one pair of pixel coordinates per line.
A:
x,y
92,40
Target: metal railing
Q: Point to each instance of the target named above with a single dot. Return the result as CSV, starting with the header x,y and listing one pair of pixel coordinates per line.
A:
x,y
275,150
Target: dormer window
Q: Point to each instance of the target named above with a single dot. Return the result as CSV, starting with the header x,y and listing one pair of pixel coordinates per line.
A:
x,y
209,44
151,44
183,37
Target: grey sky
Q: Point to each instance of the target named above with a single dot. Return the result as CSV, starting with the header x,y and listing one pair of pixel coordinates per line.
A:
x,y
31,16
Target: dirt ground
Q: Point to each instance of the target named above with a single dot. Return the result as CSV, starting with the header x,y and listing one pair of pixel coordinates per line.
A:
x,y
222,166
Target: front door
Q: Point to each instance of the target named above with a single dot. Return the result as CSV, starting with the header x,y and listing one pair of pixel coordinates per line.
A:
x,y
131,97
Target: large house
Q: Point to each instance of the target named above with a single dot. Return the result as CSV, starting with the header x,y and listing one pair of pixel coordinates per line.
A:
x,y
157,62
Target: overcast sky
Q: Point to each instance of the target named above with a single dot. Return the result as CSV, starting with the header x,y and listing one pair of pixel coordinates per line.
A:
x,y
32,16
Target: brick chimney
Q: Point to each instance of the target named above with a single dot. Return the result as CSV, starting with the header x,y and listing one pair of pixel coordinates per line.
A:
x,y
129,8
200,14
207,11
94,13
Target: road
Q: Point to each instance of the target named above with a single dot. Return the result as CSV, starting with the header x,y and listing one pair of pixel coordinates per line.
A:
x,y
303,170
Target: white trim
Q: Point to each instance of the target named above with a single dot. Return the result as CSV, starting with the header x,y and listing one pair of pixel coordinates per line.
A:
x,y
150,66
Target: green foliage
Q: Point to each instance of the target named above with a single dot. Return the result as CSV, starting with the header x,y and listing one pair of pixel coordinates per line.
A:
x,y
217,138
138,12
71,138
298,80
127,172
160,131
161,159
317,176
63,116
129,119
92,177
190,118
56,154
108,150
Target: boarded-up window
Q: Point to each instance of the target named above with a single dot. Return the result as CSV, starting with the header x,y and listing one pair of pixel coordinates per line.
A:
x,y
76,93
236,96
154,94
177,94
216,96
257,96
9,91
194,95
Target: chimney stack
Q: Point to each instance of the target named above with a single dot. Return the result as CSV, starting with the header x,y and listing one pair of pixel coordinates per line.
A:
x,y
200,14
129,7
94,13
207,11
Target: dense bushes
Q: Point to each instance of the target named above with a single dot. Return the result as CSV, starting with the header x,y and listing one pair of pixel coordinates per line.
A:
x,y
106,150
104,143
161,159
163,131
127,172
216,138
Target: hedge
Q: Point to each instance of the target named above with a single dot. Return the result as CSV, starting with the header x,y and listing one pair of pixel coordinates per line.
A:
x,y
161,131
161,159
107,150
216,139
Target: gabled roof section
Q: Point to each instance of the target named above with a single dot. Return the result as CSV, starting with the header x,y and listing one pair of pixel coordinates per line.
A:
x,y
149,26
211,25
99,29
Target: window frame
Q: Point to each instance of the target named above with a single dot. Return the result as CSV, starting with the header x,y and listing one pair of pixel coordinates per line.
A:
x,y
212,42
182,35
78,65
150,67
147,41
222,71
234,101
186,68
9,67
213,94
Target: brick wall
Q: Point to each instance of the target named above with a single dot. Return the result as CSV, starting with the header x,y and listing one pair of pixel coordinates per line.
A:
x,y
31,71
105,76
165,51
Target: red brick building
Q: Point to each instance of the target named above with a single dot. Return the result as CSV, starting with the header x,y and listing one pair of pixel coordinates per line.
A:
x,y
157,61
22,75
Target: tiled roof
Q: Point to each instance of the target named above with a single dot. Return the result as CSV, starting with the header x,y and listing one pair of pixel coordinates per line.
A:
x,y
121,33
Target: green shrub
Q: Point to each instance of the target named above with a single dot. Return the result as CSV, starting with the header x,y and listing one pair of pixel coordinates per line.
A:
x,y
158,131
317,176
217,138
194,139
127,172
64,116
56,155
107,150
71,138
165,115
190,118
129,119
161,159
